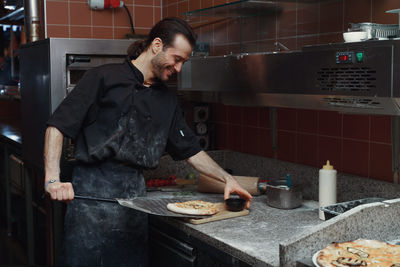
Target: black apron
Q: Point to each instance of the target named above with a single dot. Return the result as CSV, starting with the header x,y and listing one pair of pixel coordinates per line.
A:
x,y
101,233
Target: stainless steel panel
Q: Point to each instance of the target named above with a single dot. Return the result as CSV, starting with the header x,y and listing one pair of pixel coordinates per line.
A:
x,y
43,77
310,79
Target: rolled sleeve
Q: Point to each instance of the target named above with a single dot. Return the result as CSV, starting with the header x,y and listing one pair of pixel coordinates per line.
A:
x,y
78,106
182,142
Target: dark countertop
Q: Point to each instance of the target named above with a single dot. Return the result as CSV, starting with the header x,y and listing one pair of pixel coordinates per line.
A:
x,y
10,131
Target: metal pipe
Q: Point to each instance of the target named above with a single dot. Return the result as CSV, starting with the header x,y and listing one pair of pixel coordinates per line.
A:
x,y
32,20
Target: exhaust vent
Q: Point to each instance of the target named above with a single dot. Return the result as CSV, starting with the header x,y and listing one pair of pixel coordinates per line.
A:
x,y
348,79
353,102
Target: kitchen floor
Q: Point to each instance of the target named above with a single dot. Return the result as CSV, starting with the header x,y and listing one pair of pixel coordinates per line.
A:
x,y
11,252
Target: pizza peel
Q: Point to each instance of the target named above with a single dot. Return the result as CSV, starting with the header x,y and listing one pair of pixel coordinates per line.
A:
x,y
154,206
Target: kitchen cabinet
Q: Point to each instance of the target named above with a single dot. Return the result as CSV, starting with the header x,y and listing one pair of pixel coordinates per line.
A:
x,y
170,246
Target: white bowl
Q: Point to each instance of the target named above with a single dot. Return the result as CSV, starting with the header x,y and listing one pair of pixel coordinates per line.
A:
x,y
350,37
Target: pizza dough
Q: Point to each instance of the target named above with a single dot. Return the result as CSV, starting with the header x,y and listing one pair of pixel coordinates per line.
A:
x,y
360,252
193,207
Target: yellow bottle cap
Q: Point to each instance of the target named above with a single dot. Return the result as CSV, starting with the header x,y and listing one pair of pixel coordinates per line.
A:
x,y
327,166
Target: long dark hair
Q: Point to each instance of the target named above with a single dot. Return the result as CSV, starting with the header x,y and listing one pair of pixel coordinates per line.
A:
x,y
166,30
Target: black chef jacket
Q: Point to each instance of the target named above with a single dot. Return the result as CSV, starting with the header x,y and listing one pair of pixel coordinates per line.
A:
x,y
111,115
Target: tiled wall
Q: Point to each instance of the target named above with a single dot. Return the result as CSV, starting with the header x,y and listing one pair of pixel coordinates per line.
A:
x,y
357,144
74,19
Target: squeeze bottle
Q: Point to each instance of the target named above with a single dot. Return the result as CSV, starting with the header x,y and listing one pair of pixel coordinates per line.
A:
x,y
327,187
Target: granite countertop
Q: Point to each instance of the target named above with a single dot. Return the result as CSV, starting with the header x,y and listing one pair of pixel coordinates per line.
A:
x,y
254,238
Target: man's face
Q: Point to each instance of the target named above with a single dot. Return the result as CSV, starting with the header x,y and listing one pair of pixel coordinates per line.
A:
x,y
170,60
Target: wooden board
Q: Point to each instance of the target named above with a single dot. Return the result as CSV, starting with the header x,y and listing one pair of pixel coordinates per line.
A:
x,y
221,215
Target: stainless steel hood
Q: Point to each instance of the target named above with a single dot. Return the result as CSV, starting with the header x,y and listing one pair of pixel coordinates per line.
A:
x,y
361,77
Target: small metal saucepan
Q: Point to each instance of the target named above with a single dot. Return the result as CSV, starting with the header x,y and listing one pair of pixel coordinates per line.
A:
x,y
280,196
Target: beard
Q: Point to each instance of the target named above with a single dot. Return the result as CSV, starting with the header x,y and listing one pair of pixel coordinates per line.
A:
x,y
160,66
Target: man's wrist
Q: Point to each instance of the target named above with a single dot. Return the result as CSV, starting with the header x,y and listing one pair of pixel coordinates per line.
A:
x,y
50,182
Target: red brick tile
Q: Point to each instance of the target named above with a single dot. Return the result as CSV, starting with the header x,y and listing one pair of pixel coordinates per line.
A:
x,y
250,141
233,29
304,41
355,157
183,7
219,2
194,4
356,11
221,133
307,121
121,33
380,129
206,3
264,143
234,115
331,16
129,3
250,116
267,45
330,148
121,18
266,27
57,31
307,19
143,2
221,113
172,10
219,50
143,16
249,29
286,146
330,38
287,119
220,30
356,126
142,31
157,14
378,11
206,33
381,162
102,17
263,117
57,12
80,14
235,138
157,3
330,123
287,20
165,11
102,33
307,149
81,32
251,47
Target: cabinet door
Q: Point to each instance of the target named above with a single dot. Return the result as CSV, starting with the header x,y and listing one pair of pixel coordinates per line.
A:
x,y
165,250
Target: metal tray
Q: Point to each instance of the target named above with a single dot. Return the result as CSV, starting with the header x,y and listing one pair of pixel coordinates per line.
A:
x,y
339,208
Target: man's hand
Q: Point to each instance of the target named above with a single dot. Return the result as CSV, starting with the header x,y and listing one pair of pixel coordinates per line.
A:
x,y
232,186
60,191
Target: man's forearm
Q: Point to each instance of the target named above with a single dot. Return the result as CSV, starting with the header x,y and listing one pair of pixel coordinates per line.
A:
x,y
206,165
52,153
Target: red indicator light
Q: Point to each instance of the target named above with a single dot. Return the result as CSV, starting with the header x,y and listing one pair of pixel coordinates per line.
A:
x,y
343,58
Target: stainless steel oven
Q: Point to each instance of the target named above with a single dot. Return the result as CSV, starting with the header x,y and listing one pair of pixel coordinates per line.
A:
x,y
49,70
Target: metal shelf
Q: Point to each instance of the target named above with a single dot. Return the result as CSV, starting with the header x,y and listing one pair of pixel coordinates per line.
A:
x,y
241,8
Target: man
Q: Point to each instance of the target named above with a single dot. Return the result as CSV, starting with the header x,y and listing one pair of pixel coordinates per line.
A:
x,y
123,118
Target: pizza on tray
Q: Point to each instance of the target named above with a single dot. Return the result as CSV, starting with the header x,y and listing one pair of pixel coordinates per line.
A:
x,y
360,252
193,207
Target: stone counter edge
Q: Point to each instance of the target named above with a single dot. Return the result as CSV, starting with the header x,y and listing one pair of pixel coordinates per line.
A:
x,y
377,221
